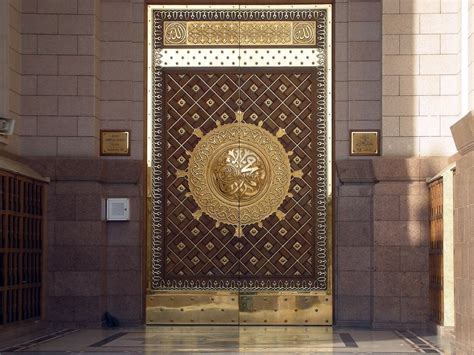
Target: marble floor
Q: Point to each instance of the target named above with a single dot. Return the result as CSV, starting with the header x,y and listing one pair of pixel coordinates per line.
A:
x,y
226,340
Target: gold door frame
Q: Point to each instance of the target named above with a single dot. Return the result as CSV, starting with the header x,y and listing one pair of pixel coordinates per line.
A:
x,y
276,306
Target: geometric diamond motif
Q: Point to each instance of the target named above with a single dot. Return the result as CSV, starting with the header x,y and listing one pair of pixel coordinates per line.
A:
x,y
277,248
297,246
209,246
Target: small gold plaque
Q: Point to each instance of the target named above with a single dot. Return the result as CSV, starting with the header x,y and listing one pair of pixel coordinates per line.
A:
x,y
365,143
115,143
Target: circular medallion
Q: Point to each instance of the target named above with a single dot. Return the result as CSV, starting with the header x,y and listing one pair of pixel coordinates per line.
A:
x,y
239,174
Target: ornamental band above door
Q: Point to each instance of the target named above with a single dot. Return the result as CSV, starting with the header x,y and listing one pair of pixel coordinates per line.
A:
x,y
239,129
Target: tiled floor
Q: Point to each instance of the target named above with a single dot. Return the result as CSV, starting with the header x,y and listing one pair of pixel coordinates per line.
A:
x,y
228,340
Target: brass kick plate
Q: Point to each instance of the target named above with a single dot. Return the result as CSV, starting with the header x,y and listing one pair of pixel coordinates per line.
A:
x,y
260,308
285,309
193,308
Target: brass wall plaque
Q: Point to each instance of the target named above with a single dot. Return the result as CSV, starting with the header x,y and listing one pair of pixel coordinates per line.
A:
x,y
365,143
232,33
115,143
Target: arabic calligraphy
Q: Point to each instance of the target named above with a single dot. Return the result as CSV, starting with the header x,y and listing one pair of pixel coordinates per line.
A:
x,y
246,33
239,174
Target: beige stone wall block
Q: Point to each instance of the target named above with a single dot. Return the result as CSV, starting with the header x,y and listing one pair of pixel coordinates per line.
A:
x,y
39,64
76,24
391,85
401,105
39,105
86,85
38,146
365,90
88,7
86,45
365,71
116,11
446,123
341,52
117,70
450,44
439,105
440,23
119,31
401,64
450,84
365,51
419,85
76,65
76,105
450,6
420,44
439,64
401,24
365,31
57,6
28,84
391,44
365,11
400,146
39,24
390,6
420,6
437,146
391,126
361,125
342,111
123,51
340,11
87,126
29,44
116,90
57,126
77,146
365,110
116,110
420,126
57,85
341,73
49,44
341,91
27,126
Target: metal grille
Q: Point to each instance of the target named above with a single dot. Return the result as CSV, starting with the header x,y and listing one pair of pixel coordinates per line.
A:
x,y
21,248
436,251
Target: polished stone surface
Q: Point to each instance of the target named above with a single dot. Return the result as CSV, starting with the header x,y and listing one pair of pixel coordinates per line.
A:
x,y
228,340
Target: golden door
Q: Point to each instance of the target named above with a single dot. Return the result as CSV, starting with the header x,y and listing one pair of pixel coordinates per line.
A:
x,y
239,114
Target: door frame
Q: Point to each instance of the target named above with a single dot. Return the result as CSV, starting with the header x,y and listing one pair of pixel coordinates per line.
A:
x,y
147,172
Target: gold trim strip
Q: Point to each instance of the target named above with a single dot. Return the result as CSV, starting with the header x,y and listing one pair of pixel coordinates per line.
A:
x,y
233,33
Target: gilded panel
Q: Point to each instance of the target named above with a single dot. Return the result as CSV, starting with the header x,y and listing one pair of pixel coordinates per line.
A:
x,y
236,33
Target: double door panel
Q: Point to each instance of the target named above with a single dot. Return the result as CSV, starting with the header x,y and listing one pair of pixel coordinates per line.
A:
x,y
240,181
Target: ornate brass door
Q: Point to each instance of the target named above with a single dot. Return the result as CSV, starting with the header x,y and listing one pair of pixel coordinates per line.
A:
x,y
239,111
